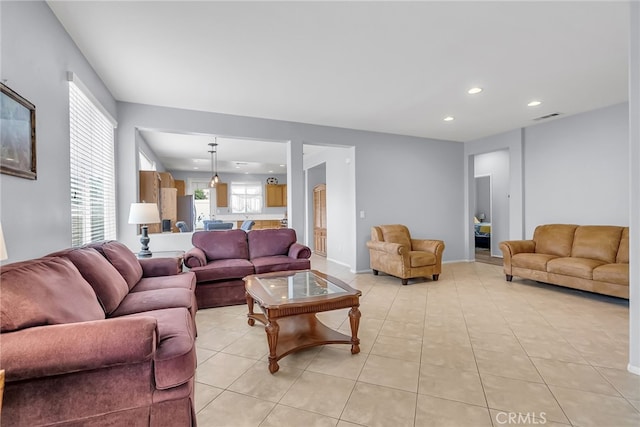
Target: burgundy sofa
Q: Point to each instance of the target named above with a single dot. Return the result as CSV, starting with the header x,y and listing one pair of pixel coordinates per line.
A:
x,y
221,259
92,336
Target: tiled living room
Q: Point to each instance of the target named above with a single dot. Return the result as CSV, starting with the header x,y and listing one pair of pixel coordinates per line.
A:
x,y
395,108
468,350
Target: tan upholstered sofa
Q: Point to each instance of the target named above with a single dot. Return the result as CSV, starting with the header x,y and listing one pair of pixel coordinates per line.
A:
x,y
593,258
393,251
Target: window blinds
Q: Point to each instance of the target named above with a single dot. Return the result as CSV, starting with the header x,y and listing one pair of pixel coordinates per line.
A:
x,y
93,201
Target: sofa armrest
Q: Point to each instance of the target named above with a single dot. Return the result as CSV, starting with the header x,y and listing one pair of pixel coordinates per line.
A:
x,y
428,245
195,257
154,267
388,247
59,349
299,251
510,248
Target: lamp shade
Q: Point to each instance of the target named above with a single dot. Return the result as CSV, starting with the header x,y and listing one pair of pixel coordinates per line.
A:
x,y
144,213
3,248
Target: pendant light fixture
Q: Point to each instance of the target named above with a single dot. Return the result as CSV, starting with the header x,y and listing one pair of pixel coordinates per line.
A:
x,y
213,150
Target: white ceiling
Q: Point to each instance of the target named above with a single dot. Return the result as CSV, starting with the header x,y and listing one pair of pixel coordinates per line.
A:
x,y
397,67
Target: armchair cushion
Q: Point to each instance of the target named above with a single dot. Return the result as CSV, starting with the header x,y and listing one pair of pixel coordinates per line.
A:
x,y
396,234
46,291
420,258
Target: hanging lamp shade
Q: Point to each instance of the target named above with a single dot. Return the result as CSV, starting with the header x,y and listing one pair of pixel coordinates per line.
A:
x,y
214,168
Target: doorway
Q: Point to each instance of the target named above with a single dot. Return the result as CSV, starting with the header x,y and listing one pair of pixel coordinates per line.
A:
x,y
320,220
491,208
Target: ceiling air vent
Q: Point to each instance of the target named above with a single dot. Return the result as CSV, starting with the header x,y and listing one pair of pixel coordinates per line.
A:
x,y
547,116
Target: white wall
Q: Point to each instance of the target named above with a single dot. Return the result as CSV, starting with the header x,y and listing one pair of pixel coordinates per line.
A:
x,y
634,193
496,164
36,54
339,177
577,170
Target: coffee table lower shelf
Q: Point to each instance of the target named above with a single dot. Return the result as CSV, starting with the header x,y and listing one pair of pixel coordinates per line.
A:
x,y
289,334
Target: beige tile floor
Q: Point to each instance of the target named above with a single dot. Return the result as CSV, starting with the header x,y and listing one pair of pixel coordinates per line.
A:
x,y
468,350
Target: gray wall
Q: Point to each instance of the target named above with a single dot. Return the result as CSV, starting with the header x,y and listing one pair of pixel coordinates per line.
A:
x,y
577,169
36,54
398,179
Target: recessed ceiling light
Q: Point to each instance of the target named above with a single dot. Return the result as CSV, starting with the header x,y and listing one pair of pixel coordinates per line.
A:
x,y
474,90
448,119
534,103
282,166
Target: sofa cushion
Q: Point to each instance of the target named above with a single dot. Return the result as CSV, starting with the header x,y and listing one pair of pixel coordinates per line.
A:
x,y
45,291
612,273
421,259
623,250
223,269
222,244
121,258
106,281
273,241
124,261
599,242
139,302
576,267
531,261
186,280
175,357
279,263
554,239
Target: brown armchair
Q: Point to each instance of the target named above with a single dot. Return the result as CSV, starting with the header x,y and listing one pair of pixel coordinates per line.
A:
x,y
393,251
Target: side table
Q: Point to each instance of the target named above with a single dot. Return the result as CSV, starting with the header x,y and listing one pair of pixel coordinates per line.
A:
x,y
179,255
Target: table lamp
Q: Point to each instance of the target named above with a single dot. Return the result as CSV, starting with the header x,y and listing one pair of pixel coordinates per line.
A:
x,y
3,248
143,214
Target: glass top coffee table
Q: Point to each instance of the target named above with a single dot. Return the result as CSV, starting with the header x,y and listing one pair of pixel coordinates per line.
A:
x,y
289,301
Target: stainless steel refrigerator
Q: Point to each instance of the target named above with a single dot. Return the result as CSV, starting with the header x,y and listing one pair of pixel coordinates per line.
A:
x,y
187,211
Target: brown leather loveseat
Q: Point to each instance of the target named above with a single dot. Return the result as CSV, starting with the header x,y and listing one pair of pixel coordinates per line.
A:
x,y
593,258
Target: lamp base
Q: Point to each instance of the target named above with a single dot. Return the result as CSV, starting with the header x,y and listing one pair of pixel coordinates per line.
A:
x,y
144,239
144,254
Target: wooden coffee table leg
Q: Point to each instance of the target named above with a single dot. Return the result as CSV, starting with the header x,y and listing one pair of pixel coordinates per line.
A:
x,y
272,330
354,320
250,321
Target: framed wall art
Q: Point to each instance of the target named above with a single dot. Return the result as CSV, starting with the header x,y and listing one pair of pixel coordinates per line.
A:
x,y
17,135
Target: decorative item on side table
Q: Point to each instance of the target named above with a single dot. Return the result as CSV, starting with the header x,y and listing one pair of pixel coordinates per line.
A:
x,y
144,214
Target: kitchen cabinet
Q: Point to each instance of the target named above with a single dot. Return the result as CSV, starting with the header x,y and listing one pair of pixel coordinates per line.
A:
x,y
276,195
150,193
222,195
169,205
